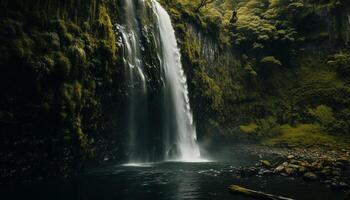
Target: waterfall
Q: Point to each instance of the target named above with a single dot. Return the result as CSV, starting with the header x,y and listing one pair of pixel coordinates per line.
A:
x,y
176,89
136,81
169,133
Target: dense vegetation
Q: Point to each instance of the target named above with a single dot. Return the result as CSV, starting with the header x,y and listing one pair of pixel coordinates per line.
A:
x,y
280,65
58,72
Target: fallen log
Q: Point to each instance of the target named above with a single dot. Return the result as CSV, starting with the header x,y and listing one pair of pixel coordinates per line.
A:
x,y
235,189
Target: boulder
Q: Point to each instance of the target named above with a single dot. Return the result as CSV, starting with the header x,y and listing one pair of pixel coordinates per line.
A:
x,y
310,176
325,172
289,171
279,169
266,163
339,185
336,172
301,169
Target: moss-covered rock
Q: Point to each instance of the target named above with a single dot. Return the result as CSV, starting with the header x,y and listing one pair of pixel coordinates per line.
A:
x,y
283,65
54,80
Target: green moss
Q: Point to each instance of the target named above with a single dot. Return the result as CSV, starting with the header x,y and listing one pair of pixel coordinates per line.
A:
x,y
191,47
60,25
68,38
257,46
73,28
49,62
175,14
303,135
341,61
105,30
63,116
248,67
23,47
209,89
77,91
77,54
270,61
82,139
63,65
323,114
250,128
52,40
11,28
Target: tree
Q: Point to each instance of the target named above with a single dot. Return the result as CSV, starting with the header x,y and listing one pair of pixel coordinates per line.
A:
x,y
203,3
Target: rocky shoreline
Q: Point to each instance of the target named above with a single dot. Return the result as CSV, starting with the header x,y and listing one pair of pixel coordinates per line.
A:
x,y
330,167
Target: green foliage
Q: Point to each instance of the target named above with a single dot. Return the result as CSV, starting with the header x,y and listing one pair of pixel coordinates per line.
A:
x,y
248,67
271,61
303,135
209,89
250,128
323,114
341,61
73,28
22,47
52,40
63,65
54,77
105,30
77,127
77,54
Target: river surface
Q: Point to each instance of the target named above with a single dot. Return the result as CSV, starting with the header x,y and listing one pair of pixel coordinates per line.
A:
x,y
170,180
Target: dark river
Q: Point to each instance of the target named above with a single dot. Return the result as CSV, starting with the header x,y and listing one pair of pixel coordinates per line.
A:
x,y
169,180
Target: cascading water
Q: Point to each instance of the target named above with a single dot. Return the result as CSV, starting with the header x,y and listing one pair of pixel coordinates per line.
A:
x,y
136,81
176,91
174,132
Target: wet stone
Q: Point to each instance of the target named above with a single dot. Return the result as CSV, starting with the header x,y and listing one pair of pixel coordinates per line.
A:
x,y
266,163
310,176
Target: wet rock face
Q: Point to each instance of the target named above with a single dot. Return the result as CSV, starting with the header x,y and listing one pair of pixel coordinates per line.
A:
x,y
59,73
344,22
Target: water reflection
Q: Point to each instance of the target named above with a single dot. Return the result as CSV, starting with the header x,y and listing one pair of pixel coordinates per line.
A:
x,y
186,185
169,180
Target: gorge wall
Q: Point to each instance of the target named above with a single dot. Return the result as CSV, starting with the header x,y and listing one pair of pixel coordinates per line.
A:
x,y
60,84
266,68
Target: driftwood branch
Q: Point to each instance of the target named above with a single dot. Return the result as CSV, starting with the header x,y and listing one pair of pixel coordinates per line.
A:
x,y
203,3
235,189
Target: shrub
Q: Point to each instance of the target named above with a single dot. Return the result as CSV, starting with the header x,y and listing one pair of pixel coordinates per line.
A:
x,y
208,89
23,47
323,114
250,128
73,28
341,62
77,54
271,61
52,39
303,135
